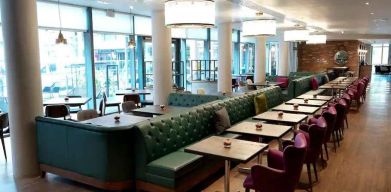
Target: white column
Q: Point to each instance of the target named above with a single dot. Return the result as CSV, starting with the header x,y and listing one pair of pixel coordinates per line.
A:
x,y
224,82
19,20
283,67
161,51
260,59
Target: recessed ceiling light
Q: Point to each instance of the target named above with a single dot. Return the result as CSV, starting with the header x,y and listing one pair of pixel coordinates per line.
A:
x,y
131,7
342,32
104,2
366,3
372,13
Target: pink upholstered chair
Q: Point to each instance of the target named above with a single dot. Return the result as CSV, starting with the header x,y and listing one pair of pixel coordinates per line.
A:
x,y
315,134
283,171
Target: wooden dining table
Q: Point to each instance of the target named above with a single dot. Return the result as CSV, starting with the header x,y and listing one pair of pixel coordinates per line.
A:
x,y
306,102
72,101
151,110
109,120
316,97
240,151
287,118
248,127
134,92
299,110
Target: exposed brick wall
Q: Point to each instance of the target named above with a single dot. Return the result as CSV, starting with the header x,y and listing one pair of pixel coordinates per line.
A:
x,y
319,57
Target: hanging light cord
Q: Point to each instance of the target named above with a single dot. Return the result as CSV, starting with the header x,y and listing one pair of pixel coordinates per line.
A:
x,y
59,13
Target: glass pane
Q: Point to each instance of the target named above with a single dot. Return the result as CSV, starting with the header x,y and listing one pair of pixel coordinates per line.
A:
x,y
62,66
114,63
143,25
385,54
194,33
72,17
376,55
120,23
214,50
3,83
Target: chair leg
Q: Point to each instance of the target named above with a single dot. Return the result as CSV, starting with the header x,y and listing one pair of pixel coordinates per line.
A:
x,y
327,153
247,190
2,142
119,109
316,172
335,142
309,175
346,121
43,174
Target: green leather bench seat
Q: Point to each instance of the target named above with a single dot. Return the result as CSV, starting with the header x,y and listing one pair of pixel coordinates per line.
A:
x,y
274,96
174,165
190,100
99,152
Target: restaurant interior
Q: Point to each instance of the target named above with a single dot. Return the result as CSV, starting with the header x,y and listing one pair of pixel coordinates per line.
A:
x,y
195,95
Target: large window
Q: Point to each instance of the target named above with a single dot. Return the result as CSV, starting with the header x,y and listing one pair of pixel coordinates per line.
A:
x,y
272,58
62,66
247,58
380,54
114,63
3,83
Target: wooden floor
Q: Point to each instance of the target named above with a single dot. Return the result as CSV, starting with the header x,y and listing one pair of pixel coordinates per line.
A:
x,y
362,163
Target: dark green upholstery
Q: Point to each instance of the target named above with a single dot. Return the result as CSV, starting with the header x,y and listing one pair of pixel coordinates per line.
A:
x,y
160,142
190,100
103,153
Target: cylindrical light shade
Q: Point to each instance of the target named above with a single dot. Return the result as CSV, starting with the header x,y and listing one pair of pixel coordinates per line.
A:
x,y
296,35
317,39
190,13
262,27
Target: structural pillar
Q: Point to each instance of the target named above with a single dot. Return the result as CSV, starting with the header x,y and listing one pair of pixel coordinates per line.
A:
x,y
283,67
260,59
224,82
161,51
20,32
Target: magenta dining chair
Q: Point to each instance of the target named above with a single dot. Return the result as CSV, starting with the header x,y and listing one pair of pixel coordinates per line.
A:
x,y
315,135
283,171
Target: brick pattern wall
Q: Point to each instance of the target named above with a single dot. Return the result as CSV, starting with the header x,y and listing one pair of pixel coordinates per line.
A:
x,y
317,58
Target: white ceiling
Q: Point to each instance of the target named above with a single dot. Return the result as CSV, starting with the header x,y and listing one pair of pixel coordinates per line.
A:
x,y
353,17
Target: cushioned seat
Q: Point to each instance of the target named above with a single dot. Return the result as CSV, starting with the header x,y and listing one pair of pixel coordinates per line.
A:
x,y
174,165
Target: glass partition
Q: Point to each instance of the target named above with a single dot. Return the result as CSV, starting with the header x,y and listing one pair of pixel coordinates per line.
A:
x,y
62,66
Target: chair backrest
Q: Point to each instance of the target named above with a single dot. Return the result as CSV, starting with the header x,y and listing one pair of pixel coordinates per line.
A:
x,y
132,97
330,115
201,91
86,114
340,114
3,120
294,158
57,111
102,107
314,83
128,106
104,97
315,137
249,81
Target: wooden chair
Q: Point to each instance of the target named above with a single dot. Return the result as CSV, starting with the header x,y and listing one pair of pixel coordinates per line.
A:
x,y
86,114
4,130
108,104
57,111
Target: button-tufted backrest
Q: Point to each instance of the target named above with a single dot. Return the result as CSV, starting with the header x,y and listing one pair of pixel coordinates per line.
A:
x,y
273,96
239,108
190,100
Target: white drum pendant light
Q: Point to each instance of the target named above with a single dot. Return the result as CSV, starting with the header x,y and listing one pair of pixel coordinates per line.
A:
x,y
261,27
317,39
190,13
296,35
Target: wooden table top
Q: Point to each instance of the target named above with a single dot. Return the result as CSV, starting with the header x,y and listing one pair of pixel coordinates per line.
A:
x,y
109,121
315,92
268,130
156,110
240,150
266,84
71,101
289,118
300,109
333,86
316,103
135,92
318,97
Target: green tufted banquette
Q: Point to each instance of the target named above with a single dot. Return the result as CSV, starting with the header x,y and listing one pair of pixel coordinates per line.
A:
x,y
190,100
